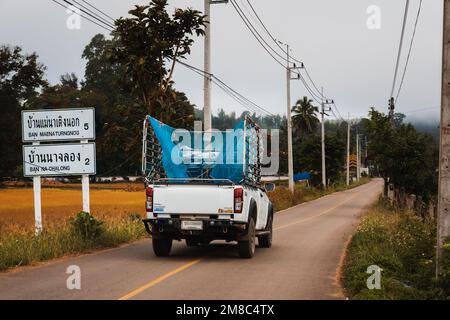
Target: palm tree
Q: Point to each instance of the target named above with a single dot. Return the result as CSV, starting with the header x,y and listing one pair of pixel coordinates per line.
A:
x,y
304,117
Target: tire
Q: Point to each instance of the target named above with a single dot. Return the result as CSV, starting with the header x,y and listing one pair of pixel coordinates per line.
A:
x,y
247,247
162,247
265,241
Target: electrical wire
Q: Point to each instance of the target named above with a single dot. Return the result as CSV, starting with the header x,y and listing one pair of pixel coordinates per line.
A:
x,y
257,36
284,50
399,54
98,10
84,17
410,49
93,13
94,16
227,89
267,30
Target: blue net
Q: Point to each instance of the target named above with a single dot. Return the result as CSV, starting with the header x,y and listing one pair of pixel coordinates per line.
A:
x,y
189,154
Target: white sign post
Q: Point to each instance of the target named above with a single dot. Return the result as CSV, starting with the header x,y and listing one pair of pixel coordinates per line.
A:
x,y
37,202
58,159
85,188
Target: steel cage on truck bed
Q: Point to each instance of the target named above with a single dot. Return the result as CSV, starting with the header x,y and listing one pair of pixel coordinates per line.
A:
x,y
245,172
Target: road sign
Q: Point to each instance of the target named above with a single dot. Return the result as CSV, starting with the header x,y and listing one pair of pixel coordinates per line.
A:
x,y
58,125
59,159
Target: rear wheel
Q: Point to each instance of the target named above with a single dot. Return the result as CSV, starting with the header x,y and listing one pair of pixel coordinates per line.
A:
x,y
247,247
162,247
265,241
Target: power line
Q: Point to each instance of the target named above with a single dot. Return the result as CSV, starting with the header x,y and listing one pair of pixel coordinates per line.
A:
x,y
93,13
84,17
315,93
257,36
98,10
267,30
409,52
229,90
94,16
399,54
314,85
281,48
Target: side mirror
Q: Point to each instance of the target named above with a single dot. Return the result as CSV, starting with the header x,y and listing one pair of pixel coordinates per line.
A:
x,y
269,187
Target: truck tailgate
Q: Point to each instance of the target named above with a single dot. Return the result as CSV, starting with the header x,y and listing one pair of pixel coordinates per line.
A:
x,y
193,199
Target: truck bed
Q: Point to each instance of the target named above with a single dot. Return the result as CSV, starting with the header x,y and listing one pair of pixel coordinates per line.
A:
x,y
191,199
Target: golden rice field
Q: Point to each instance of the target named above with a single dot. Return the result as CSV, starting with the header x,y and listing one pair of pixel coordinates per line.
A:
x,y
58,205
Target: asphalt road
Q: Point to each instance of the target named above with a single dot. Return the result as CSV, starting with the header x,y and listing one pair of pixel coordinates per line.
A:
x,y
303,263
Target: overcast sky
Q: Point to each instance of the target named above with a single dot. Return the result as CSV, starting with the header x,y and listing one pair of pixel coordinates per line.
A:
x,y
355,65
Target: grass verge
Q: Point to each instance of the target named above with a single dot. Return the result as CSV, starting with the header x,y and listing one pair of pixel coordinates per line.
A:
x,y
19,249
403,246
283,199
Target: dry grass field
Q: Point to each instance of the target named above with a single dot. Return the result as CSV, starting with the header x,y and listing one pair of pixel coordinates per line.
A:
x,y
109,202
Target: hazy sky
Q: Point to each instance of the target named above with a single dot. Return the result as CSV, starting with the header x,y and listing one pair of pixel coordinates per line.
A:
x,y
355,65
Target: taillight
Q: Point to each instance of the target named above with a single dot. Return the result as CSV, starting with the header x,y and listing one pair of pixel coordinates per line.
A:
x,y
238,200
149,200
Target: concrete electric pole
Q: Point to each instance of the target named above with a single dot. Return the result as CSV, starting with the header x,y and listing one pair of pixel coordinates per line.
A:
x,y
207,113
207,118
358,161
444,163
324,168
289,125
348,150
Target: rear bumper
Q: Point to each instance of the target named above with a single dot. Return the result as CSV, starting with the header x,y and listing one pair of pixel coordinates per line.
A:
x,y
213,229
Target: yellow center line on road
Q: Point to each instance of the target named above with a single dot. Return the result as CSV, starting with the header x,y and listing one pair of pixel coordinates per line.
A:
x,y
160,279
194,262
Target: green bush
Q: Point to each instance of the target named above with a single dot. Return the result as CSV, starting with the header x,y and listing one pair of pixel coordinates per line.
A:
x,y
444,279
402,245
87,226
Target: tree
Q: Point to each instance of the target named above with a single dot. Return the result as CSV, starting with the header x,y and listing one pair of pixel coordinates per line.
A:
x,y
147,42
309,158
305,116
119,116
21,76
403,156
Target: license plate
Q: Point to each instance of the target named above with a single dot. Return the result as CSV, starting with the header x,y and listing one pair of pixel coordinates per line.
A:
x,y
191,225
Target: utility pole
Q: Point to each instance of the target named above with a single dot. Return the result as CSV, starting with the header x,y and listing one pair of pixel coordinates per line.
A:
x,y
207,117
358,162
324,169
207,113
348,151
444,157
289,125
289,78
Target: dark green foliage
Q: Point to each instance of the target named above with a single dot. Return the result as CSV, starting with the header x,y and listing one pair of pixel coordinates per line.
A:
x,y
149,40
407,158
87,226
308,157
402,245
304,117
444,279
21,76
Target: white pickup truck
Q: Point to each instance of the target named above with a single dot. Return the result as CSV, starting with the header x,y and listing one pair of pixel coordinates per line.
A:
x,y
205,210
201,210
